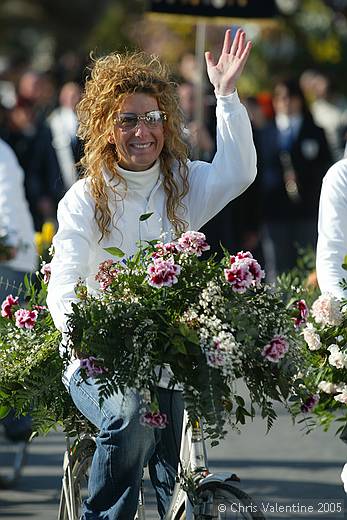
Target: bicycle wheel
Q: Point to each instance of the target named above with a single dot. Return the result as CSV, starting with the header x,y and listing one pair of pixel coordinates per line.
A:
x,y
223,501
81,458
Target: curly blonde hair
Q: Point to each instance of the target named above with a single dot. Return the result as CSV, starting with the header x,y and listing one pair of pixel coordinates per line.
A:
x,y
113,78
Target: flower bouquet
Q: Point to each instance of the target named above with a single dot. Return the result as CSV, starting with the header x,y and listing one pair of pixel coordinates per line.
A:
x,y
324,354
30,365
200,324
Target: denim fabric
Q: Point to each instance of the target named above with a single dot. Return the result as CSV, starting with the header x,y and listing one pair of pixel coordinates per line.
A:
x,y
124,447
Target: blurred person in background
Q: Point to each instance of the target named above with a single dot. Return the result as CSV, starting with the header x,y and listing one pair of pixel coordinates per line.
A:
x,y
295,156
17,255
63,126
329,111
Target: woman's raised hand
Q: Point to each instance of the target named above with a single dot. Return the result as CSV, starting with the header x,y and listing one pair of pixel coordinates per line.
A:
x,y
225,73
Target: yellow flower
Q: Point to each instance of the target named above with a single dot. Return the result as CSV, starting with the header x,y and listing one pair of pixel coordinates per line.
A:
x,y
48,232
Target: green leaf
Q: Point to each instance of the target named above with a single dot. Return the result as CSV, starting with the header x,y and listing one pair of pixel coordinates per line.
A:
x,y
115,251
145,216
4,411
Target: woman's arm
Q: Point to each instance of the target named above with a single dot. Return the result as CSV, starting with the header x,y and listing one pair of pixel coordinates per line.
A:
x,y
73,246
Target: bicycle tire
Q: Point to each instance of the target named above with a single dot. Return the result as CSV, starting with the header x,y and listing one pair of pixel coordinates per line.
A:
x,y
223,501
81,458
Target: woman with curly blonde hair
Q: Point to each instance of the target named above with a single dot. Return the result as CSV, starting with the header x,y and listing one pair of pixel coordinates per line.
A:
x,y
136,162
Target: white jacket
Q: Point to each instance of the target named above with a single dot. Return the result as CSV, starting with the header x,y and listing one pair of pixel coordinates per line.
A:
x,y
77,250
332,230
15,216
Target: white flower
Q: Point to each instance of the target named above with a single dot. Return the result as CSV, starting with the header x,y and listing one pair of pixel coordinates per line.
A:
x,y
327,388
342,395
326,310
337,358
311,337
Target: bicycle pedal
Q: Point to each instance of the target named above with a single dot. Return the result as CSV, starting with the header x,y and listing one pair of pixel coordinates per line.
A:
x,y
233,478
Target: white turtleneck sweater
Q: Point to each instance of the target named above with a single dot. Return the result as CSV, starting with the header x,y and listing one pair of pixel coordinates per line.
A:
x,y
78,251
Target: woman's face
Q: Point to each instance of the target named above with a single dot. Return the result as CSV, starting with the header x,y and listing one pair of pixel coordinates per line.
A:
x,y
139,147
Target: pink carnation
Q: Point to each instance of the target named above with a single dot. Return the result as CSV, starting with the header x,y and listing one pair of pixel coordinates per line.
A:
x,y
302,313
25,319
276,349
193,243
163,273
154,419
107,273
164,249
46,271
7,304
244,272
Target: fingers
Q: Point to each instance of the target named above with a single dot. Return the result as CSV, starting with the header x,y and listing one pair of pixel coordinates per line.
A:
x,y
235,41
209,59
241,45
227,41
246,51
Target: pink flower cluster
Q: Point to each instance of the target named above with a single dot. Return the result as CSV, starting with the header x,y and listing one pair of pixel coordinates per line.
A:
x,y
301,311
26,319
154,419
244,272
276,349
106,274
193,243
91,366
7,306
162,250
163,273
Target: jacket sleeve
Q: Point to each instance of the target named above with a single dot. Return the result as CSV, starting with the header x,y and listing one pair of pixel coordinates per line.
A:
x,y
233,168
332,230
72,246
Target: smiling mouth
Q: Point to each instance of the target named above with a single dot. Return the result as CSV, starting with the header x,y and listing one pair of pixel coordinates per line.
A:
x,y
141,146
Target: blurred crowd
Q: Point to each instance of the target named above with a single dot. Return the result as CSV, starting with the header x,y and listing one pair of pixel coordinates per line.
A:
x,y
299,132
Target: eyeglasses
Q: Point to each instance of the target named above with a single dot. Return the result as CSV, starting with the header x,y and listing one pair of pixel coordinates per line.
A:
x,y
129,121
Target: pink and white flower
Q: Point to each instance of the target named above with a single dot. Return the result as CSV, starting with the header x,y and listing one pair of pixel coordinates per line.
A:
x,y
108,271
46,271
326,310
163,273
7,306
154,419
244,272
162,250
193,243
276,349
26,319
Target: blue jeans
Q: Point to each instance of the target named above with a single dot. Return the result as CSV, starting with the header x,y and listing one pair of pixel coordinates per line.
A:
x,y
124,447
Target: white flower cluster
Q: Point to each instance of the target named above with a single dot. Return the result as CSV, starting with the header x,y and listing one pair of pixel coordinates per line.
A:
x,y
312,337
337,357
326,310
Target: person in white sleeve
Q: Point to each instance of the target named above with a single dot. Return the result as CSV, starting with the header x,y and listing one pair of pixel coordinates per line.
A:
x,y
17,254
136,162
16,224
332,238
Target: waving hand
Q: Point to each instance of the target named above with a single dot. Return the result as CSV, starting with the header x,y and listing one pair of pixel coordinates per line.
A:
x,y
225,73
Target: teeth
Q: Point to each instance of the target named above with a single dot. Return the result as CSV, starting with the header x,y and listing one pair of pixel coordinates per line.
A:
x,y
138,145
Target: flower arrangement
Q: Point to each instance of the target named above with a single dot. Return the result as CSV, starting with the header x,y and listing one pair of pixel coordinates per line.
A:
x,y
324,354
30,365
43,241
199,324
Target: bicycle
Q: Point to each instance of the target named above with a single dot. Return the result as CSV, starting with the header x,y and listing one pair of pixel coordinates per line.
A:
x,y
209,497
